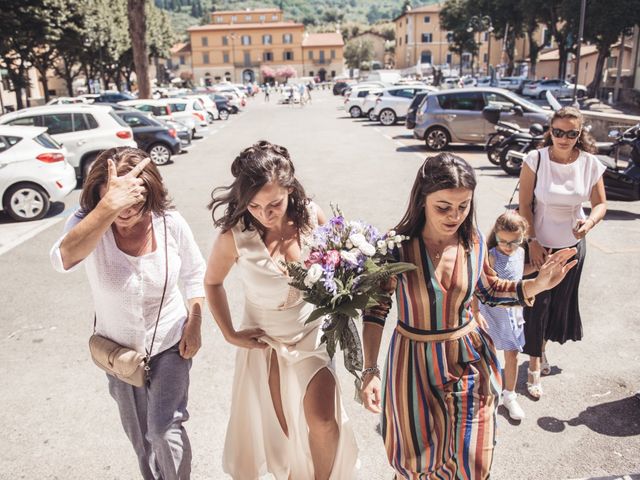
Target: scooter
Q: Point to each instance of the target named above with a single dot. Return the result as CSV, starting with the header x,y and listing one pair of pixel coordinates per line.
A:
x,y
514,149
621,182
503,130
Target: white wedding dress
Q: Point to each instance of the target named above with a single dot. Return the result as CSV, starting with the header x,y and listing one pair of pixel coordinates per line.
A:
x,y
255,444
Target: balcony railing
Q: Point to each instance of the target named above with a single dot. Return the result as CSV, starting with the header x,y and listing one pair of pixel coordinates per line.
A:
x,y
251,64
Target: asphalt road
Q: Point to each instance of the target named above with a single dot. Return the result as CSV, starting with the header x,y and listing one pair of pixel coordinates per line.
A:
x,y
60,422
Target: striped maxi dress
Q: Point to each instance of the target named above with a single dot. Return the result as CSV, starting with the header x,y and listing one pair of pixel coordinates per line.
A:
x,y
442,378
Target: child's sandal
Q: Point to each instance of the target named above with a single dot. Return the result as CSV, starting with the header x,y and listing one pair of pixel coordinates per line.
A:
x,y
534,387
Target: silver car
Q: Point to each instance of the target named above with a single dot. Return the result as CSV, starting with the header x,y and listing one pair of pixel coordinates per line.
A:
x,y
455,116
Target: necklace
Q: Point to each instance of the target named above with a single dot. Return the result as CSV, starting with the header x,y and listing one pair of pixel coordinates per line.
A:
x,y
435,254
554,159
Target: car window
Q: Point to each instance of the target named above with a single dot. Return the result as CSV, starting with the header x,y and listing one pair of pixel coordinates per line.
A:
x,y
472,101
363,93
197,105
145,108
159,111
79,122
91,122
418,99
178,107
6,142
493,99
58,123
119,120
47,141
132,119
35,121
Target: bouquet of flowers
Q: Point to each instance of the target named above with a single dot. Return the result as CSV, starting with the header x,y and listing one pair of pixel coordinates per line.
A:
x,y
347,267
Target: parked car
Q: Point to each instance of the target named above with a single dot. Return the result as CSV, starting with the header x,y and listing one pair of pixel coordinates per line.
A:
x,y
363,86
510,83
223,105
341,85
209,106
394,103
173,109
113,97
354,102
157,139
183,132
483,81
85,130
559,89
449,82
410,122
455,116
33,172
369,104
67,100
523,84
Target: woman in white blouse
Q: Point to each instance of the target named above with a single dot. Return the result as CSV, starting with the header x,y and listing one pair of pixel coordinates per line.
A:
x,y
554,183
119,235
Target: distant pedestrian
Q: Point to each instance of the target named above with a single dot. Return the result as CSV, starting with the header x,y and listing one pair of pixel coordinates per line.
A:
x,y
302,92
506,324
137,250
266,92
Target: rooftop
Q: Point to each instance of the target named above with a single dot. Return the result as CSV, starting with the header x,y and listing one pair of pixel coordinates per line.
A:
x,y
330,39
248,10
180,47
434,8
243,26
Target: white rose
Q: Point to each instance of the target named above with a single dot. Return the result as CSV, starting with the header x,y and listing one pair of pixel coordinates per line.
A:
x,y
398,238
357,239
348,244
392,233
313,275
350,257
391,244
368,249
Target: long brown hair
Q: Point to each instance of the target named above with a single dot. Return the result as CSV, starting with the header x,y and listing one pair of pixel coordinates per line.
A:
x,y
507,222
156,198
256,166
585,142
440,172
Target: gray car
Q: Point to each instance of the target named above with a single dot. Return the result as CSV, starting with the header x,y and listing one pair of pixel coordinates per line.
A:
x,y
455,116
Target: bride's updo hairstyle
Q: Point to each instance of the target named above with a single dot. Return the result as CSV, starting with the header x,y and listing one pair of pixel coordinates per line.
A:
x,y
261,163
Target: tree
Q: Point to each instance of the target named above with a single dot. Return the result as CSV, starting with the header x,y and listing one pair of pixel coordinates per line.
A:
x,y
358,51
137,16
604,23
455,16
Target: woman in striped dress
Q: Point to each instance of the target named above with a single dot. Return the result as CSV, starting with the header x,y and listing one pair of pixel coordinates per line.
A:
x,y
442,378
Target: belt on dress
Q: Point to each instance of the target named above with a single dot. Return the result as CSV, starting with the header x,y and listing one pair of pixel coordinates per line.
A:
x,y
435,335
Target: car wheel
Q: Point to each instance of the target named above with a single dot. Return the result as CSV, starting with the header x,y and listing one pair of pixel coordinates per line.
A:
x,y
581,93
542,95
387,117
511,166
437,139
210,117
493,148
224,114
87,164
370,115
355,112
160,154
26,201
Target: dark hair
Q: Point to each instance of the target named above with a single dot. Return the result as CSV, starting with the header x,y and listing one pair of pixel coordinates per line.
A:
x,y
256,166
440,172
507,222
156,198
585,142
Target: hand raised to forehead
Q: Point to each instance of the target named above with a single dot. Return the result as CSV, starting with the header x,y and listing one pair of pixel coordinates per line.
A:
x,y
127,190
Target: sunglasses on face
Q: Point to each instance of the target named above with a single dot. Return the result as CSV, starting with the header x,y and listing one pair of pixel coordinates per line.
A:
x,y
570,134
513,243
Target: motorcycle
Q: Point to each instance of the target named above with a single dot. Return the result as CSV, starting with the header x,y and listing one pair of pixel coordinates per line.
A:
x,y
514,149
621,182
502,130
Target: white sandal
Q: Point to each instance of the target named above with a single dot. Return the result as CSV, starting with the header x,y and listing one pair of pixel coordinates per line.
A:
x,y
535,387
545,368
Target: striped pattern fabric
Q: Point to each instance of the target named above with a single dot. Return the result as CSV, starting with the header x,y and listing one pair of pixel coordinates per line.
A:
x,y
439,397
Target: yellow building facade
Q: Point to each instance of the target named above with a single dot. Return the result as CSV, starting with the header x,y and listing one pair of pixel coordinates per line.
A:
x,y
243,45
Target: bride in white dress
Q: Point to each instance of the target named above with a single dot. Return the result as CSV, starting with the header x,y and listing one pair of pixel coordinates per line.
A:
x,y
287,417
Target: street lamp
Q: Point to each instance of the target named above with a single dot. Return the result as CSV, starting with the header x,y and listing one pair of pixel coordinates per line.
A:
x,y
481,24
233,55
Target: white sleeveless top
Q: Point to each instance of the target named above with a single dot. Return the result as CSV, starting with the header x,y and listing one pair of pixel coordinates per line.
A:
x,y
560,192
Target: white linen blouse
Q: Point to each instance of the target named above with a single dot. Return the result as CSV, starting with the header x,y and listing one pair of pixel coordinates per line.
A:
x,y
560,191
127,290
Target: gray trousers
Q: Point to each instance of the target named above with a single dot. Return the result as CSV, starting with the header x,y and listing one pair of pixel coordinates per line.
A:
x,y
152,417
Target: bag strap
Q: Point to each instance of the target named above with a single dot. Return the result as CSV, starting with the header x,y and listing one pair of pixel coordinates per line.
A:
x,y
535,182
164,291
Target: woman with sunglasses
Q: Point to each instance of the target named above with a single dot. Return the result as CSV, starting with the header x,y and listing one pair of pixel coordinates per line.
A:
x,y
554,183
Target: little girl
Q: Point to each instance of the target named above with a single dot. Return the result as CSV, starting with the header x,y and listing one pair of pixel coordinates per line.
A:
x,y
505,325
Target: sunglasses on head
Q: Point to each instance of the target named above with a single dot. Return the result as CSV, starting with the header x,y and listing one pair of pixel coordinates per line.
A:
x,y
570,134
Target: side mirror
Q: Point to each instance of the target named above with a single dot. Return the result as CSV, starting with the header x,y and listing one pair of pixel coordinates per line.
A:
x,y
614,133
518,110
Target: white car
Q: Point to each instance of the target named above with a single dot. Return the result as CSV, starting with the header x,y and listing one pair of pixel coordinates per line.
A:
x,y
394,102
162,109
209,106
354,103
369,103
449,82
33,172
188,109
67,100
84,130
559,89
